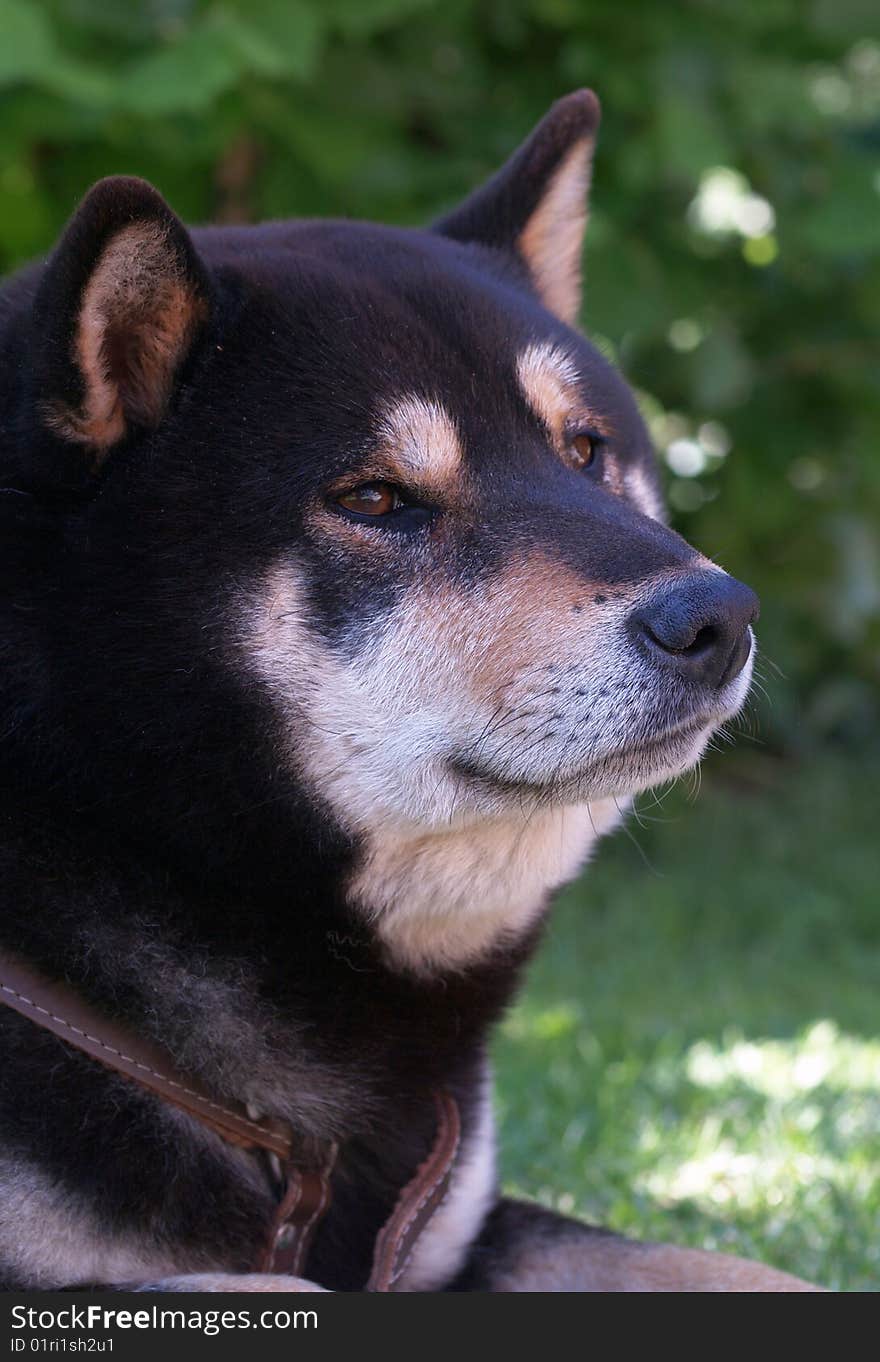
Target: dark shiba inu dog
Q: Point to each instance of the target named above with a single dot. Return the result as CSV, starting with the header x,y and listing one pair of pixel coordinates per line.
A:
x,y
340,618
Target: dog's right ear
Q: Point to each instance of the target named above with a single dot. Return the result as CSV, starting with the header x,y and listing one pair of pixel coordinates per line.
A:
x,y
535,206
121,302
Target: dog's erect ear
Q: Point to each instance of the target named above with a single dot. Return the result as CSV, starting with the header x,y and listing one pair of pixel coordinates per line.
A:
x,y
117,311
536,205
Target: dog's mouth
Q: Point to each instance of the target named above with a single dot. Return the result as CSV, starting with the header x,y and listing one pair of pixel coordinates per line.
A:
x,y
619,770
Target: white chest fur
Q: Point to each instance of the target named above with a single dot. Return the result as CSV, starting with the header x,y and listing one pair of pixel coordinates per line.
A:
x,y
440,899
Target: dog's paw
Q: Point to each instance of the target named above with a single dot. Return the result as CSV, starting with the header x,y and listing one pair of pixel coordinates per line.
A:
x,y
228,1281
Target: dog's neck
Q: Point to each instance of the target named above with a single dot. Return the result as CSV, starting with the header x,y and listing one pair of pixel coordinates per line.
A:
x,y
300,1018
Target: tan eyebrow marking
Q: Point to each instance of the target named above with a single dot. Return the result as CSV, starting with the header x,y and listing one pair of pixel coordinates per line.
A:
x,y
421,438
548,378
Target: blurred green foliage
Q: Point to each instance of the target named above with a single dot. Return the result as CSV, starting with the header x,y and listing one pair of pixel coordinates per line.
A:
x,y
733,265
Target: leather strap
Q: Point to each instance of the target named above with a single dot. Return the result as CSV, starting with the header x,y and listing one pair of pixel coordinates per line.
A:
x,y
303,1204
418,1202
56,1008
305,1190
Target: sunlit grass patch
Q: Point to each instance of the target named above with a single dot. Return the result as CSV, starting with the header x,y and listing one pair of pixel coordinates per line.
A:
x,y
788,1115
820,1058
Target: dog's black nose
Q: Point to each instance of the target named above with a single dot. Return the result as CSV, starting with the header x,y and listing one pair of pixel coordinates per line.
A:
x,y
698,625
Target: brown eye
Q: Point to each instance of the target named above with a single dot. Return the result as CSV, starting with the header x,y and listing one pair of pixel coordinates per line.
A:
x,y
582,450
371,498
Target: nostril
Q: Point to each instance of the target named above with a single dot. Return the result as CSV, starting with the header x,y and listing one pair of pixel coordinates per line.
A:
x,y
682,643
706,639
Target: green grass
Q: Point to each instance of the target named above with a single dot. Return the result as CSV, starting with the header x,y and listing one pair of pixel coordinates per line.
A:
x,y
697,1055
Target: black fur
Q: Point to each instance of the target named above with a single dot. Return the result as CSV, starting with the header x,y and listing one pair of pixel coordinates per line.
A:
x,y
146,811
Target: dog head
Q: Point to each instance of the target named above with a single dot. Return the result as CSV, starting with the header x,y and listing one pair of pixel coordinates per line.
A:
x,y
410,503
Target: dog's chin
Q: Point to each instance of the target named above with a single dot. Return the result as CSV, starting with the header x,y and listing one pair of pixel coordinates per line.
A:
x,y
655,762
618,773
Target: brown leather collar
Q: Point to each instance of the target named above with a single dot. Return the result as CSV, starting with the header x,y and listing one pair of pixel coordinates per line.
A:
x,y
305,1190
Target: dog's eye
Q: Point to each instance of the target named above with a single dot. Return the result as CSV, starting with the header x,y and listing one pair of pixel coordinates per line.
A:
x,y
371,499
582,450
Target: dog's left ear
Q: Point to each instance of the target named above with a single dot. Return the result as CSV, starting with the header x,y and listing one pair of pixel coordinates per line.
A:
x,y
120,304
536,204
